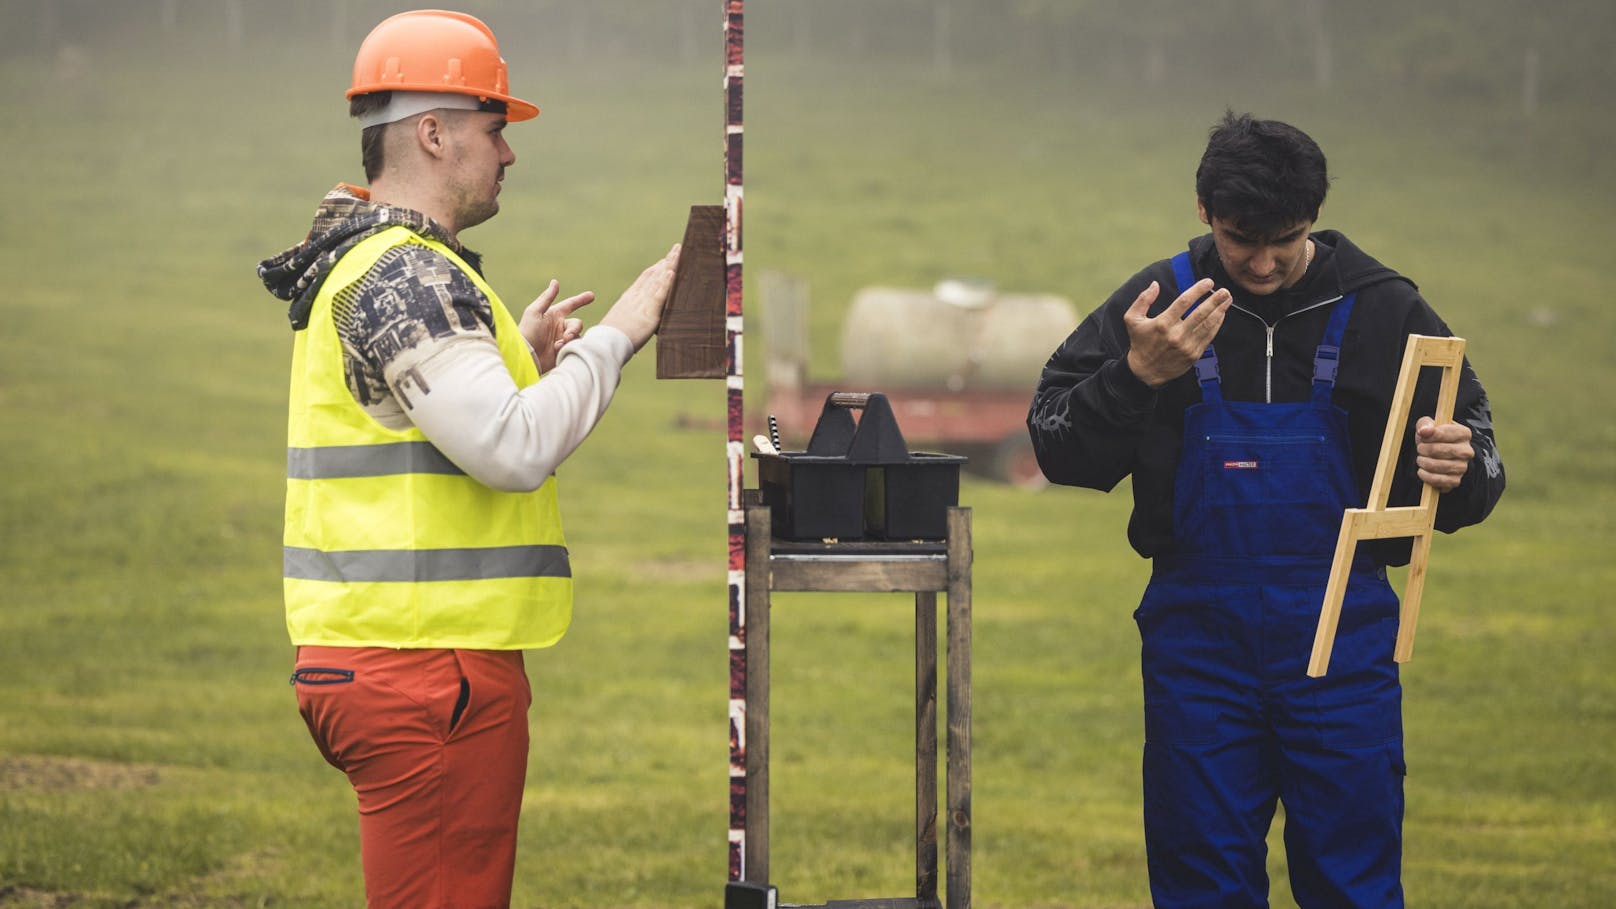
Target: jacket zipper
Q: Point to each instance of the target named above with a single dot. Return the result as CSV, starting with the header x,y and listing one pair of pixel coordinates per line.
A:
x,y
1268,349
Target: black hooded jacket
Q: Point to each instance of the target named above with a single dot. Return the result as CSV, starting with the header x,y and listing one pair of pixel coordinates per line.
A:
x,y
1093,422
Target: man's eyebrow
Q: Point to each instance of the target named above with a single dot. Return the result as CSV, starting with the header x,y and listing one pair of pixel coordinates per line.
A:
x,y
1240,236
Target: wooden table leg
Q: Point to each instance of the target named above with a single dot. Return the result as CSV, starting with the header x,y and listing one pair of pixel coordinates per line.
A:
x,y
926,748
959,708
755,860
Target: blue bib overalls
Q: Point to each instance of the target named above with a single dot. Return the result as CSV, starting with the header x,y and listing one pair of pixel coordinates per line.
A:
x,y
1232,722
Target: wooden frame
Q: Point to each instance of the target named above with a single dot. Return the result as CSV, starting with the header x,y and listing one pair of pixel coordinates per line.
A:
x,y
1378,521
923,569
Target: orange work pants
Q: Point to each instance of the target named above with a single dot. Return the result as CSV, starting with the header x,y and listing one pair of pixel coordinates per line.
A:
x,y
435,744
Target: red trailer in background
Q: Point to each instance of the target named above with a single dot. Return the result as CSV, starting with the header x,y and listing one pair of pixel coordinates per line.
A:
x,y
958,363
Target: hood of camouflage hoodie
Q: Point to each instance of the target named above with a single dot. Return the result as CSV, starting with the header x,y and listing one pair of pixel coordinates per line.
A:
x,y
345,217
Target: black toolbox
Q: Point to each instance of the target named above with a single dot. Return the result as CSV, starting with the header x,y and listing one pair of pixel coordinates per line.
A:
x,y
857,480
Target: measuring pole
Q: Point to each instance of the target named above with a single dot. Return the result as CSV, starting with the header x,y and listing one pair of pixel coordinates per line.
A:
x,y
734,447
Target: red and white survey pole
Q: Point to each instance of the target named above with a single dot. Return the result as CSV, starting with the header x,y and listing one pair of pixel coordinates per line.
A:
x,y
735,447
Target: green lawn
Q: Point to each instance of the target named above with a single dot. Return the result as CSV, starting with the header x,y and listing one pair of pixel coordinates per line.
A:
x,y
150,750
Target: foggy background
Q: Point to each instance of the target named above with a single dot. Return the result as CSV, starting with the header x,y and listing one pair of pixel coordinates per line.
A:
x,y
1518,55
157,150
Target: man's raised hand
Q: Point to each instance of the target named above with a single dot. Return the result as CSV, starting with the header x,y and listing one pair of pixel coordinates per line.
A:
x,y
637,312
1164,347
549,326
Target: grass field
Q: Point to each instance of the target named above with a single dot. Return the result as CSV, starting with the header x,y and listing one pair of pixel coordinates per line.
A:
x,y
150,750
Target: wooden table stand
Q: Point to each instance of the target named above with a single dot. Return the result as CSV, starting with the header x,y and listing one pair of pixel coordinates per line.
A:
x,y
1378,521
923,569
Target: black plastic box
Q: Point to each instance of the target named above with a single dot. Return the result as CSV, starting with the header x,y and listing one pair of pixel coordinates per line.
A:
x,y
812,498
858,480
910,501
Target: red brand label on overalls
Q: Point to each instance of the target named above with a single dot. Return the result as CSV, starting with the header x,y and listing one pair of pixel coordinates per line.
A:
x,y
1239,465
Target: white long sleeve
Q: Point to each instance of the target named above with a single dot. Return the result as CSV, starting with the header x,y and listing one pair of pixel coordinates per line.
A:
x,y
465,402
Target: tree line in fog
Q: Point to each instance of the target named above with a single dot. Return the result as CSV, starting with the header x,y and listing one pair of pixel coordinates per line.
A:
x,y
1520,52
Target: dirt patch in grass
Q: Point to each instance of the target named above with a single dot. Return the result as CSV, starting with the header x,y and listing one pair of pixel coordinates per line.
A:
x,y
35,773
24,898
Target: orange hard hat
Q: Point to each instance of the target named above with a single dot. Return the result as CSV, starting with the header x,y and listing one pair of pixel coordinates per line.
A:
x,y
434,50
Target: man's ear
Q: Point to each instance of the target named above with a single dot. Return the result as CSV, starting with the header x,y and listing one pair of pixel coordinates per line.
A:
x,y
429,134
1200,209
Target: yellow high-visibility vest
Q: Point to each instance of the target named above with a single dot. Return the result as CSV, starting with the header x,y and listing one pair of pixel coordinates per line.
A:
x,y
388,543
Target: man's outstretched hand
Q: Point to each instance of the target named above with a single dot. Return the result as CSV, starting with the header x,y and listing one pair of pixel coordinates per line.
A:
x,y
1163,347
638,311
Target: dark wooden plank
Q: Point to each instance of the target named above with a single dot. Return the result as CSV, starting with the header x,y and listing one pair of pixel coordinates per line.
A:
x,y
926,746
895,574
878,903
690,336
959,708
756,862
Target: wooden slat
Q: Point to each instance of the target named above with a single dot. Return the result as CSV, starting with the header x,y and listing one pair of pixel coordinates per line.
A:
x,y
875,574
1409,521
959,708
756,842
1409,614
1346,544
1441,351
926,746
1392,441
894,903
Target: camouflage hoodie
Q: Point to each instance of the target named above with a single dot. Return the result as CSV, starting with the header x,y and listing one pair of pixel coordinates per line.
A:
x,y
345,217
418,346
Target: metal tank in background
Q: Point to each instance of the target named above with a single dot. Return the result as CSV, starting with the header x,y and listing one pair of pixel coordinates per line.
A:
x,y
958,363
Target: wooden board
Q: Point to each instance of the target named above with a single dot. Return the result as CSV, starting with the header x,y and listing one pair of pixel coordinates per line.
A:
x,y
691,343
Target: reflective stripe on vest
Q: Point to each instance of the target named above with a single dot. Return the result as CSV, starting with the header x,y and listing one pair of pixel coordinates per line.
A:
x,y
388,543
375,565
366,461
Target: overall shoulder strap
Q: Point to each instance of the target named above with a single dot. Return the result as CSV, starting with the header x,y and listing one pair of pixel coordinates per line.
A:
x,y
1206,368
1182,272
1327,359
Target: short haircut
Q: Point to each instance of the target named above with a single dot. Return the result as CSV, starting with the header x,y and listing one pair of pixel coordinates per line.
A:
x,y
371,140
1262,176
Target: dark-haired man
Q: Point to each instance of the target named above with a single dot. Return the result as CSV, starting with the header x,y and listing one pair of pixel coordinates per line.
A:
x,y
1244,385
423,549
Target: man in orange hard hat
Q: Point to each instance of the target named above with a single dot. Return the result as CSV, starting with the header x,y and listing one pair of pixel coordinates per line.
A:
x,y
423,544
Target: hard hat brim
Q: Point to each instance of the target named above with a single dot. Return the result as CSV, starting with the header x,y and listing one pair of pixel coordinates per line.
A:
x,y
516,109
